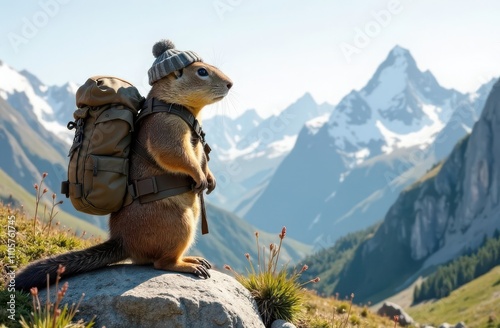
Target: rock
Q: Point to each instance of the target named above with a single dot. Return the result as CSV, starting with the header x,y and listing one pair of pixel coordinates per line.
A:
x,y
140,296
282,324
391,309
458,325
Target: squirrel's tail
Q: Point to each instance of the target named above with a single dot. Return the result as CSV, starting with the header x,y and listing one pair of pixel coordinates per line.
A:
x,y
35,274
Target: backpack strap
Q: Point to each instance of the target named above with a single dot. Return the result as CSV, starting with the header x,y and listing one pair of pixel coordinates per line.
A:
x,y
160,186
168,184
153,105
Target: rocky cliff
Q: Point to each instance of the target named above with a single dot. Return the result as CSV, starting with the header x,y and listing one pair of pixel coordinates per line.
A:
x,y
447,212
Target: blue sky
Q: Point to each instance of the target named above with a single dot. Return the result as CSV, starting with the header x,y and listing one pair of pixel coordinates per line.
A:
x,y
274,51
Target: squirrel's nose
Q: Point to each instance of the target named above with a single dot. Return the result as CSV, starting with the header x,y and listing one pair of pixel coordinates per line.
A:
x,y
229,85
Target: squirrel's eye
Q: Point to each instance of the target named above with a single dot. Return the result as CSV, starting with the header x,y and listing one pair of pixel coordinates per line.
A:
x,y
202,72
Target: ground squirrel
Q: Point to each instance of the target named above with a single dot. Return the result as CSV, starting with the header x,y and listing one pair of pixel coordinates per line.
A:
x,y
158,232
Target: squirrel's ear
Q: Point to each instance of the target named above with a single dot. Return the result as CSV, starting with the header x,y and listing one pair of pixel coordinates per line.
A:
x,y
178,73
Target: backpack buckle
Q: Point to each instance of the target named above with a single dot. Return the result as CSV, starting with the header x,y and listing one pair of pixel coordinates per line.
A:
x,y
145,186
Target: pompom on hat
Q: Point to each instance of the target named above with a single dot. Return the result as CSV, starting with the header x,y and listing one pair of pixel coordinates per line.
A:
x,y
169,59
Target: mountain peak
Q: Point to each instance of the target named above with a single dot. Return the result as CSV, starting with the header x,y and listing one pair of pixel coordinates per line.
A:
x,y
399,62
249,115
305,100
399,51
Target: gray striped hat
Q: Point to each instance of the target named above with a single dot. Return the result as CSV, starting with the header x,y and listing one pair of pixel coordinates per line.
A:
x,y
169,59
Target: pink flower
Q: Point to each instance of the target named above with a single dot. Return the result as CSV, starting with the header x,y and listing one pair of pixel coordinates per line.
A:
x,y
34,291
283,233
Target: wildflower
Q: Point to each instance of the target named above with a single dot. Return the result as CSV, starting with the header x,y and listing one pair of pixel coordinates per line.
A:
x,y
54,196
304,268
36,186
227,267
283,233
257,234
315,280
61,270
34,291
247,256
44,175
44,190
62,292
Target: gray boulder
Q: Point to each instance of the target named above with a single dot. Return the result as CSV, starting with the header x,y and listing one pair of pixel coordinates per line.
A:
x,y
391,309
458,325
140,296
282,324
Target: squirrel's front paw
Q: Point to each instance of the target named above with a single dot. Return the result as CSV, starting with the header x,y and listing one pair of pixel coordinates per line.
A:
x,y
200,186
211,183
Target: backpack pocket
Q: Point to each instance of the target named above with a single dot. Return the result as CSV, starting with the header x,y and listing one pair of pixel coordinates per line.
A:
x,y
105,181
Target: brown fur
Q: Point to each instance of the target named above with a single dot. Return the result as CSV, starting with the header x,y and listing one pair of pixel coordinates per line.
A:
x,y
162,231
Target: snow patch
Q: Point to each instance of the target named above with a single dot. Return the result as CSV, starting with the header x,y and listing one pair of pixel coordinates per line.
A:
x,y
314,222
315,124
280,147
11,81
424,136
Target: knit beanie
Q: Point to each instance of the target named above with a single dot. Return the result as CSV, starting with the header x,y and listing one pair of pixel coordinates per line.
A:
x,y
169,59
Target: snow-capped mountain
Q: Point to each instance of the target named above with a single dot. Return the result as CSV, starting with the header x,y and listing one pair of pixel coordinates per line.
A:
x,y
447,213
346,170
53,106
400,107
248,150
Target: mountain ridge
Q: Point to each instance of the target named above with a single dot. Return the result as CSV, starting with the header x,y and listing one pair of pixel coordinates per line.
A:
x,y
439,217
351,176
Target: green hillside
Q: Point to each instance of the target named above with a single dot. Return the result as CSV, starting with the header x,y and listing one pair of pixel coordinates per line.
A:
x,y
329,263
460,271
476,303
231,237
11,192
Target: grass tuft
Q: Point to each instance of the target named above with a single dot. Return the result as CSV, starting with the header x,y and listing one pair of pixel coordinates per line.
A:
x,y
278,293
24,239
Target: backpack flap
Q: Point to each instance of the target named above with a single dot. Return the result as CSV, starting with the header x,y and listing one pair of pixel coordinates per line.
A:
x,y
102,90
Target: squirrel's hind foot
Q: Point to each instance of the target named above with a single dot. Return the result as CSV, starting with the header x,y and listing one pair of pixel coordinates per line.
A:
x,y
189,264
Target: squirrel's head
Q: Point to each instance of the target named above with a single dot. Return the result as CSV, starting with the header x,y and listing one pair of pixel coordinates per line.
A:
x,y
181,77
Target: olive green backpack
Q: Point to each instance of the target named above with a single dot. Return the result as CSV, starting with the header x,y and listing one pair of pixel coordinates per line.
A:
x,y
99,157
